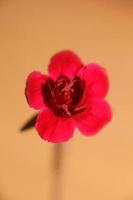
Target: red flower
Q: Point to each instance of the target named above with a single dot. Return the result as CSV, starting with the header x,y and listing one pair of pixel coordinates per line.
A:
x,y
70,96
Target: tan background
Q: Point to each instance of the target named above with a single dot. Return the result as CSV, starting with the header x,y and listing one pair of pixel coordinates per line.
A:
x,y
99,167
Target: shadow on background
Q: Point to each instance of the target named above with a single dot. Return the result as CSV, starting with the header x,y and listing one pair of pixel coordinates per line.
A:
x,y
2,196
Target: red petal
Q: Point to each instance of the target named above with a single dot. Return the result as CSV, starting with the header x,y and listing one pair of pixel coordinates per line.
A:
x,y
54,128
64,63
33,89
96,80
94,118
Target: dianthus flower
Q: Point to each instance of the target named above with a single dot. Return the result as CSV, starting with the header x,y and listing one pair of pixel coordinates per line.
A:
x,y
71,95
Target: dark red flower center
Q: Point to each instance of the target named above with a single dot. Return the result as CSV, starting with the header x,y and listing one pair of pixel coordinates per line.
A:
x,y
64,95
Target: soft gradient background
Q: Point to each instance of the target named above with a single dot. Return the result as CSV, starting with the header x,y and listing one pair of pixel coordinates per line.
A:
x,y
94,168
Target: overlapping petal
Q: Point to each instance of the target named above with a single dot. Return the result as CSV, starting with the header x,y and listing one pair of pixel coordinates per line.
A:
x,y
33,89
97,114
54,128
64,63
96,81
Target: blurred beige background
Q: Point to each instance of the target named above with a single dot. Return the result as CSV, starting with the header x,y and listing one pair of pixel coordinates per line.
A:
x,y
99,167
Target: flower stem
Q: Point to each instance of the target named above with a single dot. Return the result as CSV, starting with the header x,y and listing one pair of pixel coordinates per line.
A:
x,y
57,171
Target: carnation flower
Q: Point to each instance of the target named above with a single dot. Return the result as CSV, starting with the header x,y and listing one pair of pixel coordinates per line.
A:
x,y
71,95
